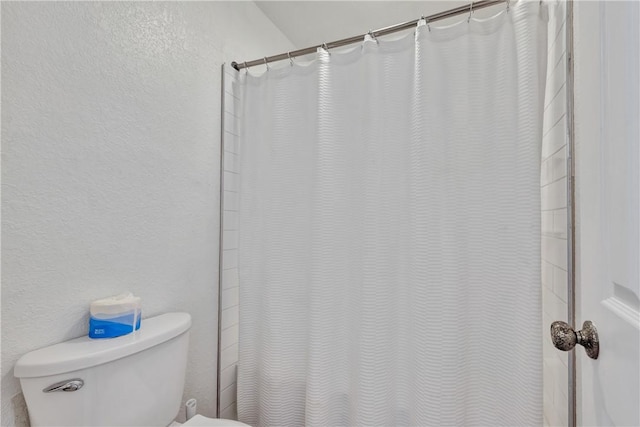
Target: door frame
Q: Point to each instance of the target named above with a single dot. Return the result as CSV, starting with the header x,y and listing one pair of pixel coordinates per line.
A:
x,y
571,209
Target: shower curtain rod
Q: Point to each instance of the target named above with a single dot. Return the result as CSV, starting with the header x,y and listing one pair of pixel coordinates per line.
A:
x,y
469,8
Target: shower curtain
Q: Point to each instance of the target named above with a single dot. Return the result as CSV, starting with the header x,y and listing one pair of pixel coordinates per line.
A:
x,y
389,230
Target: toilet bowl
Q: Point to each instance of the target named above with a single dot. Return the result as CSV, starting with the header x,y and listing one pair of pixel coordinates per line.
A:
x,y
132,380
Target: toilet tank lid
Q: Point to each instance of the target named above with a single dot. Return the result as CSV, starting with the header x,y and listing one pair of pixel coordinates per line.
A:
x,y
84,352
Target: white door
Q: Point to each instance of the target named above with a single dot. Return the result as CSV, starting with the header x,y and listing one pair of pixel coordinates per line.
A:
x,y
607,159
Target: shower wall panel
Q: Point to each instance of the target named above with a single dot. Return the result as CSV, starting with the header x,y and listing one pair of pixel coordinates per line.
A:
x,y
553,182
229,260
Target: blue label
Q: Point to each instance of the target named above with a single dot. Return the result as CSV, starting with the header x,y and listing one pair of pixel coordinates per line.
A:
x,y
115,327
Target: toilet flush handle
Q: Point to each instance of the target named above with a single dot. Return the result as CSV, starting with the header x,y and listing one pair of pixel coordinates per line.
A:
x,y
67,385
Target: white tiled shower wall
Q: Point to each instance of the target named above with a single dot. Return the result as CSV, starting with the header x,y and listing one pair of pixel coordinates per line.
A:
x,y
229,284
554,234
553,182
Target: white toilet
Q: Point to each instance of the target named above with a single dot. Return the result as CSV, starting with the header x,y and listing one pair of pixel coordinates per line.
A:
x,y
133,380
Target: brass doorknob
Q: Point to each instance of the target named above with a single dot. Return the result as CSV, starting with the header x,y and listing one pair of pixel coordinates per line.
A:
x,y
565,338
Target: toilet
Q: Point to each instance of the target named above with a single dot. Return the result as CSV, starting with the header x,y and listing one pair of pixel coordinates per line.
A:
x,y
132,380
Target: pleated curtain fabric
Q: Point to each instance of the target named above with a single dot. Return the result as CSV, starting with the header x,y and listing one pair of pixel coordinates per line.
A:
x,y
389,231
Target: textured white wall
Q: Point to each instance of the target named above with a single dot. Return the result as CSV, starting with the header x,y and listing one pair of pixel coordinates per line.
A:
x,y
110,167
553,181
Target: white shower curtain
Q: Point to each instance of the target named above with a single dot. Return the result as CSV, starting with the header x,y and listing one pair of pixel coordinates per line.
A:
x,y
389,223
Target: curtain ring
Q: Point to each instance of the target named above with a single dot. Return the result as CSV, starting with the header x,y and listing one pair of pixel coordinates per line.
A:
x,y
290,59
372,36
266,64
246,68
470,11
426,21
326,48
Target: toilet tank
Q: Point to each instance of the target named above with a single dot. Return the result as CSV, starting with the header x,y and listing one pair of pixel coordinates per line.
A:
x,y
133,380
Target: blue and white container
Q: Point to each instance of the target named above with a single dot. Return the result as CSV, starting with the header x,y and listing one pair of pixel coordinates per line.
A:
x,y
114,316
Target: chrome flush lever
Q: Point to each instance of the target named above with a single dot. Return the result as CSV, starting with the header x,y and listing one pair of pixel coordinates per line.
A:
x,y
67,385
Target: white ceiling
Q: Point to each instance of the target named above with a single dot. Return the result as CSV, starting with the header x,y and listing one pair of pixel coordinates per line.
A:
x,y
308,23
